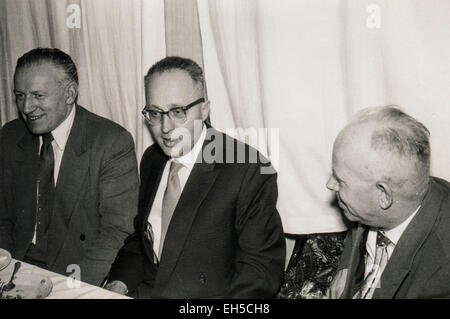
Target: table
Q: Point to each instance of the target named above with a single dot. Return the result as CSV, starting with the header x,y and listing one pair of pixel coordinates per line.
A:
x,y
63,287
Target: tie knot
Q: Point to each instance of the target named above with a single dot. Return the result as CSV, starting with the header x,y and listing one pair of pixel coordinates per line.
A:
x,y
382,240
47,138
174,168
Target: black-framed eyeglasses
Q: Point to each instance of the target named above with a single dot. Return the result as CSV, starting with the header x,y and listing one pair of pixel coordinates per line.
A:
x,y
177,114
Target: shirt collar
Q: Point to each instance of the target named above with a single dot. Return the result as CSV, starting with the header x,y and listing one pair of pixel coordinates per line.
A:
x,y
395,233
188,160
61,133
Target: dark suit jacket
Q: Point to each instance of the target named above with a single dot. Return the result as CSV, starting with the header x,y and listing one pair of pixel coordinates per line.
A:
x,y
96,194
225,238
420,264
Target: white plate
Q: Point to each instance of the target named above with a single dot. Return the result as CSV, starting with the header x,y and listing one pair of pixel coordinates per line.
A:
x,y
28,286
5,258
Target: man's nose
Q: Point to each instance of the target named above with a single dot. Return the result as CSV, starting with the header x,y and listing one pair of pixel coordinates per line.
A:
x,y
332,184
166,124
29,104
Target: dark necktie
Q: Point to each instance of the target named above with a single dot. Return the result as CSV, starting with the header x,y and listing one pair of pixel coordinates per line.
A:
x,y
45,189
170,200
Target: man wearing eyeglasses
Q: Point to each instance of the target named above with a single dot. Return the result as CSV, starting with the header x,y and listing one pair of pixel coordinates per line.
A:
x,y
206,228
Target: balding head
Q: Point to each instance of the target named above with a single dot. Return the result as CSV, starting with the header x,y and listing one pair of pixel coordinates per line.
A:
x,y
386,153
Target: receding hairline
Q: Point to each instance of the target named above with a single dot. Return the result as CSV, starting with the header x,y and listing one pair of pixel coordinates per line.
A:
x,y
62,77
383,115
196,84
173,63
396,138
53,56
396,127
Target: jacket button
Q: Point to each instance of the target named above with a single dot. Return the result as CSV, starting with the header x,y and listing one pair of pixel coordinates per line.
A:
x,y
82,237
202,278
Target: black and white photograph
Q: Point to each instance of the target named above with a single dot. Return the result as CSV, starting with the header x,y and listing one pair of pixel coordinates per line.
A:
x,y
224,149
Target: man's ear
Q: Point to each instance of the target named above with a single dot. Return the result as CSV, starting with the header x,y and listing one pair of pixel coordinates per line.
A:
x,y
71,93
205,110
385,195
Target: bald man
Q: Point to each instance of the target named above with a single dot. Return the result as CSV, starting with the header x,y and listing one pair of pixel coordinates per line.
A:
x,y
399,246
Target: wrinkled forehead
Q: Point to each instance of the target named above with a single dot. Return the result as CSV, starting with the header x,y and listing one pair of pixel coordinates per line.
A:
x,y
172,87
39,73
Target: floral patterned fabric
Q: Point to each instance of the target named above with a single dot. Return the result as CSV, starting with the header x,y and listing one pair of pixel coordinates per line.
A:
x,y
312,265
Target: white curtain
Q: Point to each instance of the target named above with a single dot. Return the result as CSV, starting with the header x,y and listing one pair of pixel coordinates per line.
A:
x,y
297,68
115,44
304,67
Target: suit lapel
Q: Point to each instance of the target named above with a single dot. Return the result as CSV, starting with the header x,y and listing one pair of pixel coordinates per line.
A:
x,y
198,185
27,165
29,145
409,244
353,259
150,182
71,177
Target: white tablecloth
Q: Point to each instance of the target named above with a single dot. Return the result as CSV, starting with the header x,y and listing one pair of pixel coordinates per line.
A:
x,y
63,287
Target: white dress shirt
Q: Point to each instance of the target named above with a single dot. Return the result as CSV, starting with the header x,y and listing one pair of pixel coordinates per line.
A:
x,y
188,161
60,137
393,235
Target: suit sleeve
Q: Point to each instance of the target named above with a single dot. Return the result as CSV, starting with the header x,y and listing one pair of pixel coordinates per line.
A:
x,y
117,205
6,225
259,265
131,264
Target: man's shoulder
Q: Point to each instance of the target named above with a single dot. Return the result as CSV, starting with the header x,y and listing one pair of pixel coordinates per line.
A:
x,y
228,150
152,153
99,131
99,124
90,131
441,190
13,127
13,131
435,246
443,222
442,184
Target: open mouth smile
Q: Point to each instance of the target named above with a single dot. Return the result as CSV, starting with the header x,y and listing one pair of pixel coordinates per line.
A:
x,y
34,117
170,142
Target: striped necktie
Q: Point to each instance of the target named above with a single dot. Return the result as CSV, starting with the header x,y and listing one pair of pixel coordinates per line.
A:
x,y
381,258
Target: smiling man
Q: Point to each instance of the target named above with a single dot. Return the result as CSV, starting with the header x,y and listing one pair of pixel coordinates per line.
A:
x,y
205,228
68,178
399,246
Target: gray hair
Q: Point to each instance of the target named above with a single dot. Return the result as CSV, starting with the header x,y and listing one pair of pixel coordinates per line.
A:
x,y
53,56
397,133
